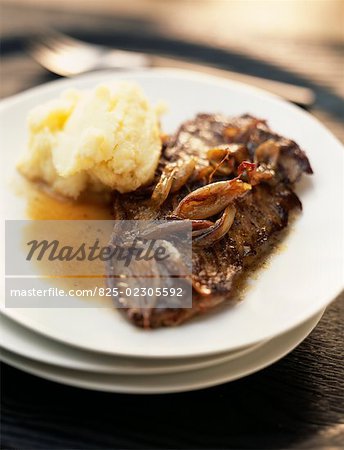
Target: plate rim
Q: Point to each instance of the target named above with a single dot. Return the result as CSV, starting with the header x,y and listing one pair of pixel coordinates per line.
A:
x,y
177,366
302,332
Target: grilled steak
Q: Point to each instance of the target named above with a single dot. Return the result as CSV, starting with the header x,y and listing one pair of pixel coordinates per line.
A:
x,y
217,175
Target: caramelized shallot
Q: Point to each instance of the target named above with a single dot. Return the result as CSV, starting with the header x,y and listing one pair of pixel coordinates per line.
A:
x,y
173,178
211,199
220,228
183,172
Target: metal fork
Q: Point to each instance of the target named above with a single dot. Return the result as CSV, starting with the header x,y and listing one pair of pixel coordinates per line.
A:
x,y
66,56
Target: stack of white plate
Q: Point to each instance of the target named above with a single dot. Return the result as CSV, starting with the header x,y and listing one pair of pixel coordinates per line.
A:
x,y
97,348
53,359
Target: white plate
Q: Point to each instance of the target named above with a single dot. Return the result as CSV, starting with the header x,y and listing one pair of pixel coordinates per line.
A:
x,y
267,354
299,281
24,342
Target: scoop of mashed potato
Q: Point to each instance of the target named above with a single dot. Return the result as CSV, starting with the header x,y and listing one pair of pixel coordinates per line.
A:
x,y
106,138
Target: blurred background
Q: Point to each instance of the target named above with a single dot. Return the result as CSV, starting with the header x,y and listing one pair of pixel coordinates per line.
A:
x,y
300,42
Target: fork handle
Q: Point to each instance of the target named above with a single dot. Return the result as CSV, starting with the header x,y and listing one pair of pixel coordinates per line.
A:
x,y
121,59
300,95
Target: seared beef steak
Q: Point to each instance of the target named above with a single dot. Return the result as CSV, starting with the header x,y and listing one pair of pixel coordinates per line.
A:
x,y
256,202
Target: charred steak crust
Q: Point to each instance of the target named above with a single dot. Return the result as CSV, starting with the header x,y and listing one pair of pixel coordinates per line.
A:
x,y
260,215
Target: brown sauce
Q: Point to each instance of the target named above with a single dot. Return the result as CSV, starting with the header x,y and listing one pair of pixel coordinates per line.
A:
x,y
44,205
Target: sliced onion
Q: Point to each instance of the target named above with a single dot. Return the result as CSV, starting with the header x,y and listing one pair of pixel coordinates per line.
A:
x,y
216,231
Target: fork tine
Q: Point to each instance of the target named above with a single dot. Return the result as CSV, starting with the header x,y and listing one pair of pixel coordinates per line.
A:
x,y
55,44
55,51
62,40
47,57
67,56
57,41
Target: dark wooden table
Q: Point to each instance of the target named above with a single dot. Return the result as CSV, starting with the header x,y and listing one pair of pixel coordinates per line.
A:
x,y
296,403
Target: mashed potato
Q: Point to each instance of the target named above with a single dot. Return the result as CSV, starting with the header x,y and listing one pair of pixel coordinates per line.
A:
x,y
107,138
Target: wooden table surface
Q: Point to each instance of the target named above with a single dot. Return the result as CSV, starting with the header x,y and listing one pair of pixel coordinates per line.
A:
x,y
296,403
